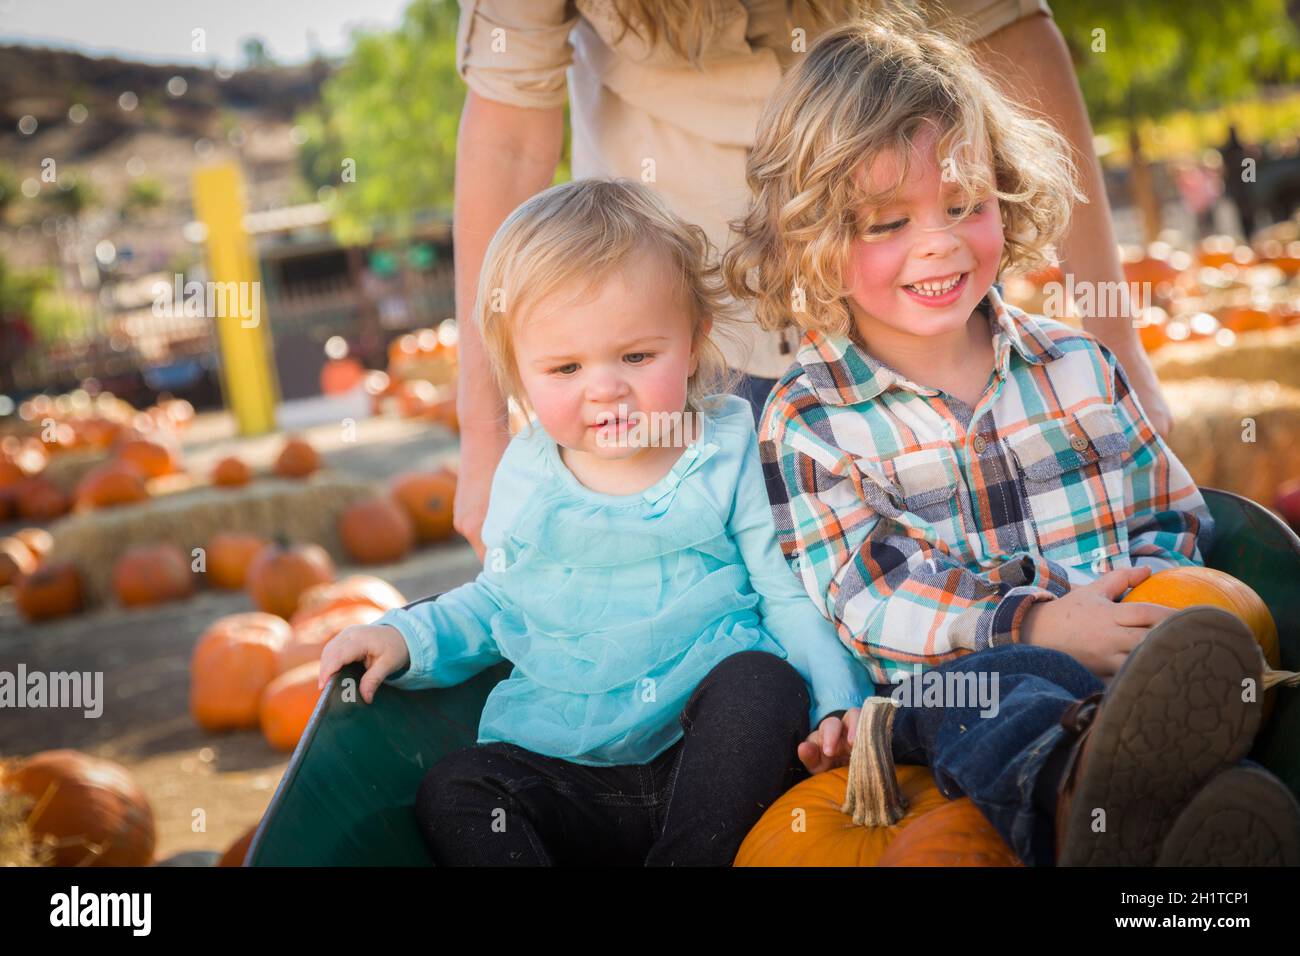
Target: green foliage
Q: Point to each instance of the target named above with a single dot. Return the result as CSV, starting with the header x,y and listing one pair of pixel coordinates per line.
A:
x,y
144,194
10,190
389,115
19,288
1164,55
72,196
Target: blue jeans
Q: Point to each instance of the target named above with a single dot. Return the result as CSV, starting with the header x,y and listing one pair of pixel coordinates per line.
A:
x,y
995,759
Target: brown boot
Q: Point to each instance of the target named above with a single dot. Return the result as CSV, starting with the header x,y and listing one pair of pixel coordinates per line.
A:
x,y
1170,720
1244,816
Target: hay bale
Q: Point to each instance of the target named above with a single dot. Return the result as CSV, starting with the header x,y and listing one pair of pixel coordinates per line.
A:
x,y
1212,433
300,510
67,468
1267,355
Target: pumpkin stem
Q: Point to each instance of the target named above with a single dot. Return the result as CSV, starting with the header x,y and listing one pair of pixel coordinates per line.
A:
x,y
1274,678
872,797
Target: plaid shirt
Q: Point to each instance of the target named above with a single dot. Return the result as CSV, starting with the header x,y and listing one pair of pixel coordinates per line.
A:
x,y
924,530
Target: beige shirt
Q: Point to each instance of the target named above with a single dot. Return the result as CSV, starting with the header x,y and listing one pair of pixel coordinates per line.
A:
x,y
648,114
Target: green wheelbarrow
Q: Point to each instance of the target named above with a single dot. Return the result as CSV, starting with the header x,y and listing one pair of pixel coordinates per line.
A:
x,y
347,796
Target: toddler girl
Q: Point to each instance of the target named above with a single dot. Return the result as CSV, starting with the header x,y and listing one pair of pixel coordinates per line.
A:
x,y
667,665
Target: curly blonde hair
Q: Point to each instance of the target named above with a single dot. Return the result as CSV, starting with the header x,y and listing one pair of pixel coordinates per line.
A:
x,y
571,238
864,88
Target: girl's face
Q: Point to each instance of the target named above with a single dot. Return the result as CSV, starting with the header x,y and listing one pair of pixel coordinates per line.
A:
x,y
922,271
587,364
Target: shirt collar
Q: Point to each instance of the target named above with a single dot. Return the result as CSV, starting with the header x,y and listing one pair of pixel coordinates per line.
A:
x,y
841,373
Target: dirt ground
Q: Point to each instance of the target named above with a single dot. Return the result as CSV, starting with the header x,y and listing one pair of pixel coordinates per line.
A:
x,y
144,654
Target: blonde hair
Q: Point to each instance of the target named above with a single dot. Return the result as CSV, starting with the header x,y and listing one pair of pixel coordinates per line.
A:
x,y
864,88
574,236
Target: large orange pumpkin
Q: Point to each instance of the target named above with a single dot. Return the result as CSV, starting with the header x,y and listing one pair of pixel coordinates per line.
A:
x,y
287,704
238,851
231,472
428,498
109,485
89,810
355,590
229,554
152,574
234,660
376,531
39,499
310,638
151,457
52,590
1189,586
281,572
821,822
297,459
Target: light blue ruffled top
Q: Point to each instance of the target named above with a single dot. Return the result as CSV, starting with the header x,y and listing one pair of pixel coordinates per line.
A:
x,y
613,608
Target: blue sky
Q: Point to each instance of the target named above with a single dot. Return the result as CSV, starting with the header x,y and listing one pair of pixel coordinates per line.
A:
x,y
161,31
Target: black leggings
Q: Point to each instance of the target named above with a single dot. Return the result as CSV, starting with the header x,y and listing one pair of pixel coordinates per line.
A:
x,y
498,804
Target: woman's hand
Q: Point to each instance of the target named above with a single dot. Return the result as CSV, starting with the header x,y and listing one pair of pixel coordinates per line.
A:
x,y
381,647
831,744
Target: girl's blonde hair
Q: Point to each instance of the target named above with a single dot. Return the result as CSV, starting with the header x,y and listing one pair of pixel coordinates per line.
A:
x,y
571,238
864,88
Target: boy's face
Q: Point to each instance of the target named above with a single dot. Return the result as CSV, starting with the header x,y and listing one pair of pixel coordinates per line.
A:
x,y
625,343
922,272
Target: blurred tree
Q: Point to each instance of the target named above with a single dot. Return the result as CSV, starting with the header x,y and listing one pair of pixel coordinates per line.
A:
x,y
142,195
1139,61
9,190
256,55
72,196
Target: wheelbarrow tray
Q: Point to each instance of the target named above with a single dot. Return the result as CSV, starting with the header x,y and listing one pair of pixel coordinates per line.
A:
x,y
347,796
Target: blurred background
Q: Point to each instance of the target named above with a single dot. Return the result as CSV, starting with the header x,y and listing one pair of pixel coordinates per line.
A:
x,y
140,507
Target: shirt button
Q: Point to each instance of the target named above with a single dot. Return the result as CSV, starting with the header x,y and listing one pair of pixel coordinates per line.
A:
x,y
1079,443
980,443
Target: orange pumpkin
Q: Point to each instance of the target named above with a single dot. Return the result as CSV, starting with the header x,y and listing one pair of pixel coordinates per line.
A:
x,y
356,590
429,499
281,572
89,810
297,459
341,375
109,485
237,852
152,574
376,531
16,559
229,554
39,499
309,639
151,457
234,660
853,816
287,705
52,590
231,472
1189,586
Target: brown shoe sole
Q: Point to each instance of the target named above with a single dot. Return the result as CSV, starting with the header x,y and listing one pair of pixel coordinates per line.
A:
x,y
1171,719
1245,816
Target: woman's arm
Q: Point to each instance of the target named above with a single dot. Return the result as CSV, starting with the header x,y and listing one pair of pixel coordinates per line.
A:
x,y
504,155
1030,60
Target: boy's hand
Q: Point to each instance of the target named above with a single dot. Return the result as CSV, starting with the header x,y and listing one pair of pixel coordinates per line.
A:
x,y
1089,624
831,744
381,647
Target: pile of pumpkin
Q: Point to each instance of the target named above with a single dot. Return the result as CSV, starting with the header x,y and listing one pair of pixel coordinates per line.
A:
x,y
421,378
258,669
67,808
49,427
1217,291
872,813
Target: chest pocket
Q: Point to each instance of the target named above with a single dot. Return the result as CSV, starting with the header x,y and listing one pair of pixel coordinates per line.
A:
x,y
1072,472
927,484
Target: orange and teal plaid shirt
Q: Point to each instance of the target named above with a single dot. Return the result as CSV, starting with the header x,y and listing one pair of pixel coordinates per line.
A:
x,y
924,529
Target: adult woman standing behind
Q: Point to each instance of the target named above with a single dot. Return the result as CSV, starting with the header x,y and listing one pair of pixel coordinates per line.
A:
x,y
669,92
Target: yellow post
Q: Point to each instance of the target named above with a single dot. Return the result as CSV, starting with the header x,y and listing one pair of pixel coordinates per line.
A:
x,y
234,300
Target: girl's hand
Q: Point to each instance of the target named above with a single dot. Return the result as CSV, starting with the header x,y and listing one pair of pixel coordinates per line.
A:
x,y
381,647
831,744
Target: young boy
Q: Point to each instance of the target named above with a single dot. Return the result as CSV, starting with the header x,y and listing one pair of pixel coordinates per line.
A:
x,y
966,489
